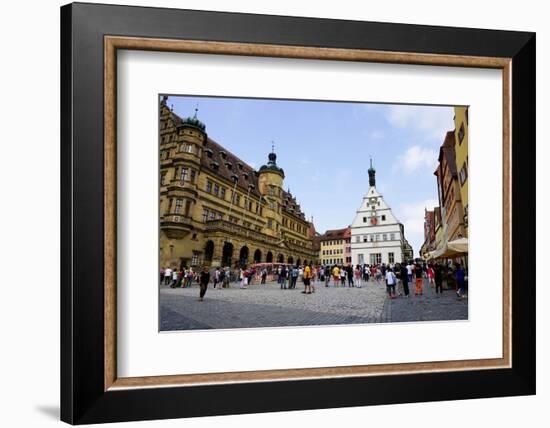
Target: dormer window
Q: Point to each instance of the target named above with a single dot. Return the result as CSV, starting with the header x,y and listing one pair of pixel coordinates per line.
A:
x,y
229,166
240,165
209,152
223,154
245,175
215,165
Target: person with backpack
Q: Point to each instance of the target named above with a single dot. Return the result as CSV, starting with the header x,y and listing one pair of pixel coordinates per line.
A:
x,y
390,283
327,275
293,277
263,275
282,277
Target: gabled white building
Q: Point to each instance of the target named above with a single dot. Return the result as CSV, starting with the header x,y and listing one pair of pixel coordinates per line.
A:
x,y
376,234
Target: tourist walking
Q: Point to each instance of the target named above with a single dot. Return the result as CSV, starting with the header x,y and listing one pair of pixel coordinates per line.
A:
x,y
204,279
189,278
405,279
410,271
460,276
343,275
167,276
358,275
216,276
397,271
336,276
430,272
282,276
226,277
438,277
419,279
349,275
264,275
180,277
390,283
174,279
378,275
327,275
307,280
245,278
293,277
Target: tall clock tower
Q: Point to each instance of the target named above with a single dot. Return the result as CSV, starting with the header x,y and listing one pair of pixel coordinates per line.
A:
x,y
377,236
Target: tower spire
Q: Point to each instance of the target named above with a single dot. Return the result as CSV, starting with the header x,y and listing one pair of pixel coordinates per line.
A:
x,y
372,175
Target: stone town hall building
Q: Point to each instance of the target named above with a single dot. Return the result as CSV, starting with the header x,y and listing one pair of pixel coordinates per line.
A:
x,y
216,210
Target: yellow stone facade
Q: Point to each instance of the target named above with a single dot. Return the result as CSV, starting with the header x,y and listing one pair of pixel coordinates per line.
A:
x,y
461,150
215,210
333,247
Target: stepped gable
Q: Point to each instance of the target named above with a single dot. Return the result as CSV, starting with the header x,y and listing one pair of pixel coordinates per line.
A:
x,y
292,207
448,151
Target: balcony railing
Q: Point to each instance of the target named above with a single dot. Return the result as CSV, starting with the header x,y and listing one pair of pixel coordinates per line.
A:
x,y
176,219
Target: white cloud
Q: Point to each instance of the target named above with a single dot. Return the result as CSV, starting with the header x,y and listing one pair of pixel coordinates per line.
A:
x,y
412,217
417,157
376,135
431,121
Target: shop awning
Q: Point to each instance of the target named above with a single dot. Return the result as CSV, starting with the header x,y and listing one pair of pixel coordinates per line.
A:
x,y
453,248
459,245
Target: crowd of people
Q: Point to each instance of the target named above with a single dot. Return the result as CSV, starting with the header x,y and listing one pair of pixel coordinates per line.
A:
x,y
395,276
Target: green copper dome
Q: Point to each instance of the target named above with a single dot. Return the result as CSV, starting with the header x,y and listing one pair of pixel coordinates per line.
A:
x,y
271,165
194,122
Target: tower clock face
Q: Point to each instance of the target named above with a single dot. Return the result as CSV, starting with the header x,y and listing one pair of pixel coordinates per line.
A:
x,y
372,201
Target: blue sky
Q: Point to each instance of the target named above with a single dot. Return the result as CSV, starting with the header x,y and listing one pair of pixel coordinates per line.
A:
x,y
324,148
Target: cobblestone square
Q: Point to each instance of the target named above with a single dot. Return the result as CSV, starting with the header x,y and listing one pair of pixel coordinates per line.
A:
x,y
268,306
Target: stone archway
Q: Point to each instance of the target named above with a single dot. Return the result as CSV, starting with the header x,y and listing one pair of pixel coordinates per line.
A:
x,y
209,251
290,260
243,256
298,262
269,257
280,258
227,254
257,256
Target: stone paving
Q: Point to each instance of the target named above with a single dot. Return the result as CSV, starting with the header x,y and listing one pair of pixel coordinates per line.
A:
x,y
427,307
269,306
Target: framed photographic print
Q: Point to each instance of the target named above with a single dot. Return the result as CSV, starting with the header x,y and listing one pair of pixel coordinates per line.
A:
x,y
308,213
